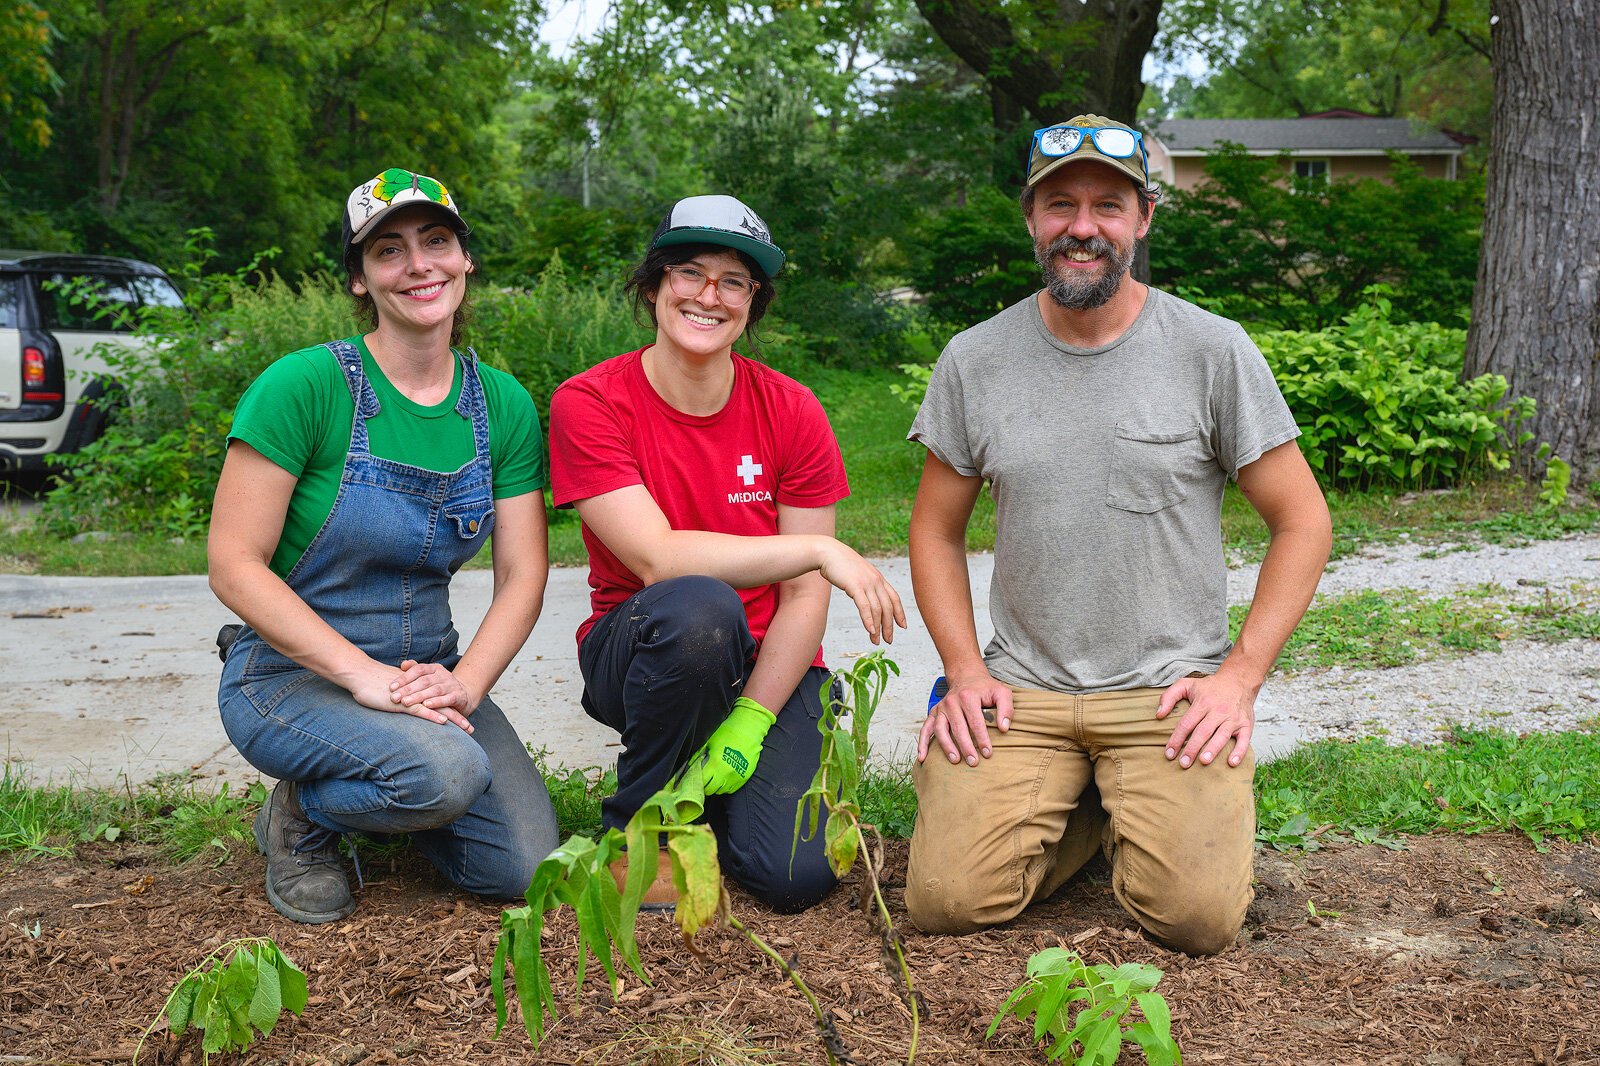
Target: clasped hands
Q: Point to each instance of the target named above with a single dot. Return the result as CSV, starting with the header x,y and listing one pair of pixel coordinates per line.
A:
x,y
427,690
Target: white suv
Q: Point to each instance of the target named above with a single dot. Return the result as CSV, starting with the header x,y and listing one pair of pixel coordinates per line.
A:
x,y
55,391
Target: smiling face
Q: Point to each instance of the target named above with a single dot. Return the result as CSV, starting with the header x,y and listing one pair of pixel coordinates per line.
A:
x,y
702,324
415,271
1084,222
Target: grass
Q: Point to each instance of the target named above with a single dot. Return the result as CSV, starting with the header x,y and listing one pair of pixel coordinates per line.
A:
x,y
33,551
174,812
884,469
1542,784
1393,627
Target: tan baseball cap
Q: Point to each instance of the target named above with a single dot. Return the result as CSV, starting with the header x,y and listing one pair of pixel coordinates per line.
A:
x,y
1089,137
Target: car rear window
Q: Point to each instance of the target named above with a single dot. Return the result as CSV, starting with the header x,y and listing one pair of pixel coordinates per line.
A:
x,y
89,302
157,292
10,297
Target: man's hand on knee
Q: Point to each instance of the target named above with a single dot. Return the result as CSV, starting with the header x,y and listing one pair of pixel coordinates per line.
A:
x,y
1221,707
960,721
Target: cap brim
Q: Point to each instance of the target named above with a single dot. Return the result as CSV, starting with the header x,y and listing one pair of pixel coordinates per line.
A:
x,y
456,222
768,258
1086,154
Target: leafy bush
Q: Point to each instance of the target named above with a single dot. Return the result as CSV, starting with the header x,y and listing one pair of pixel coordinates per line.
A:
x,y
1300,254
973,260
156,468
545,333
1381,403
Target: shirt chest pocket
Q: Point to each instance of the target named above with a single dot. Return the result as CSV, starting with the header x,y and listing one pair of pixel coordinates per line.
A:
x,y
1152,469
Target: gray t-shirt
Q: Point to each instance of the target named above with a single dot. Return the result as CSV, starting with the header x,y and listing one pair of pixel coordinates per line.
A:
x,y
1107,467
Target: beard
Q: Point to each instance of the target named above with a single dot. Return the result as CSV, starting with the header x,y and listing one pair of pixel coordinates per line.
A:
x,y
1082,294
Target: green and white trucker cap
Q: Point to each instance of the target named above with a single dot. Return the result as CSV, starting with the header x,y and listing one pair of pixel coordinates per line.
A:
x,y
720,220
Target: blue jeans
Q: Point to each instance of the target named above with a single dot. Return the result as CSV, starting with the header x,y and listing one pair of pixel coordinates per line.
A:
x,y
663,668
474,805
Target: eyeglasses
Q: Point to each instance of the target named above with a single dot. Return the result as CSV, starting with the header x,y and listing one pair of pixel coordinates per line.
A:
x,y
1114,142
734,290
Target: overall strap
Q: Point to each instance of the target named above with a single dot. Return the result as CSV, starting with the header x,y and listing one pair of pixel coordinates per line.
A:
x,y
473,404
348,356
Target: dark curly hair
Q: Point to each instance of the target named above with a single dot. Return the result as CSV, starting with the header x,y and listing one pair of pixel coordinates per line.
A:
x,y
645,281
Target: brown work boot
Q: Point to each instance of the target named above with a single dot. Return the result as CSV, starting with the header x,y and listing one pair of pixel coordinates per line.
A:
x,y
662,895
305,873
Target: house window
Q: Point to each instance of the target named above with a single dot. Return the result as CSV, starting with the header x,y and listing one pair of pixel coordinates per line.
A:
x,y
1311,169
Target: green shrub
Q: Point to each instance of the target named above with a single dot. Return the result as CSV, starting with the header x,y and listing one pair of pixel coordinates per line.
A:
x,y
1381,403
156,468
974,260
557,327
1300,254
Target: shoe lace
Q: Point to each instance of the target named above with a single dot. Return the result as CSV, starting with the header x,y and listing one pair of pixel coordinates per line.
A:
x,y
320,846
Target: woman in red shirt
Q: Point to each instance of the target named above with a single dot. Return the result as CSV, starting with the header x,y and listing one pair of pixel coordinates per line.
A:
x,y
706,482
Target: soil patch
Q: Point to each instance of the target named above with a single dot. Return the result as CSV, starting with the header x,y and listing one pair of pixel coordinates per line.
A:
x,y
1455,951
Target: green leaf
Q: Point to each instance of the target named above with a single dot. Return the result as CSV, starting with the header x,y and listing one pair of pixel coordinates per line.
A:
x,y
1156,1012
1055,989
291,981
268,999
181,1006
1158,1050
497,975
529,967
1101,1043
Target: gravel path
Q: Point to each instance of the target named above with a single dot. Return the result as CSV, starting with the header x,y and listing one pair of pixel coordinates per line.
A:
x,y
1526,686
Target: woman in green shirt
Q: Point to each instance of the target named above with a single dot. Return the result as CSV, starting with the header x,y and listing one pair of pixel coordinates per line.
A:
x,y
360,475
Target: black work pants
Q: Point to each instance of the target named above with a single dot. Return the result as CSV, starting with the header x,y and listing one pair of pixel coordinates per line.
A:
x,y
663,669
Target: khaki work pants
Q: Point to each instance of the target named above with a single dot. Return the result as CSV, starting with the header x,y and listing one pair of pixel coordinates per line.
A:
x,y
992,838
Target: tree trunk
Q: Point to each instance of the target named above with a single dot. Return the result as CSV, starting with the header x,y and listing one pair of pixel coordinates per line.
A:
x,y
1536,309
1088,58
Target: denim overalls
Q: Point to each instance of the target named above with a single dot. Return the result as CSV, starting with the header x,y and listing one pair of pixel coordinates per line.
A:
x,y
379,572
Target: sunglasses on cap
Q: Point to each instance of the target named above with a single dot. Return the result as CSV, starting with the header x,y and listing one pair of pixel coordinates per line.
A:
x,y
1114,142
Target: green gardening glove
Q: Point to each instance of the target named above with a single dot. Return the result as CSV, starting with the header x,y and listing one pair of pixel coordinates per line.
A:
x,y
733,750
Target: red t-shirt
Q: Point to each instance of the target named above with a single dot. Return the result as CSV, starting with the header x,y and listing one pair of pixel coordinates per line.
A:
x,y
723,473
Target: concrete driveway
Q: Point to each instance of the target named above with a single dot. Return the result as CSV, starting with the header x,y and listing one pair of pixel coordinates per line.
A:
x,y
107,677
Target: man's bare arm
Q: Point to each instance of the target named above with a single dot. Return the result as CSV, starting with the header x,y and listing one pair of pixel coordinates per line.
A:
x,y
1284,493
942,584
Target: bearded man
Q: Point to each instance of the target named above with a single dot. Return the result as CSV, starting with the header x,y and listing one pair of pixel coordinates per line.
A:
x,y
1106,416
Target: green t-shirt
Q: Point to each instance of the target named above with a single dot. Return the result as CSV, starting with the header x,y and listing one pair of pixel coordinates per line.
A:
x,y
299,414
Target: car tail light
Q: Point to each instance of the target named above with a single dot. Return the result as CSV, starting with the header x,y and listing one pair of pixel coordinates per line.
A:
x,y
35,378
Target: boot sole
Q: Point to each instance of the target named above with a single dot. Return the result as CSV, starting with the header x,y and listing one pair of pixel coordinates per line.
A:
x,y
294,914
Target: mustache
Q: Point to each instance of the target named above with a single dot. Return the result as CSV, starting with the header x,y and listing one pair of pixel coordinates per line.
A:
x,y
1096,246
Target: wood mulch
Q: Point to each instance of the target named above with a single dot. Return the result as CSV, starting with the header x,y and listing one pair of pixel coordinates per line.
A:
x,y
1455,951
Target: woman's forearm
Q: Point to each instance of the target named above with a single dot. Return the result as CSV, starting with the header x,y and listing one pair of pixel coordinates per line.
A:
x,y
503,631
791,642
250,589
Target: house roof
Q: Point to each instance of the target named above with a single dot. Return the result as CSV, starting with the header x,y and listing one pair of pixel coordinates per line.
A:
x,y
1184,136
